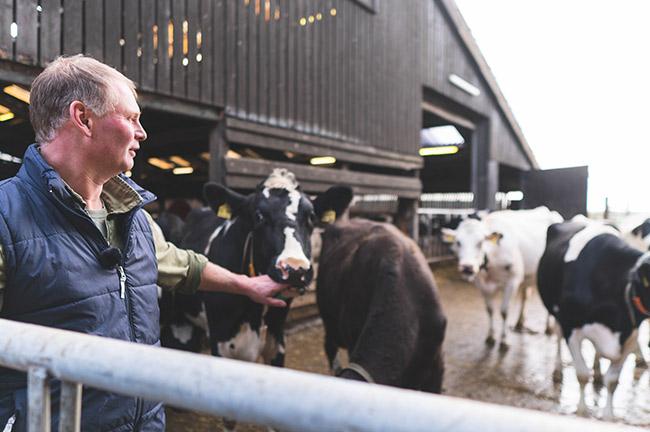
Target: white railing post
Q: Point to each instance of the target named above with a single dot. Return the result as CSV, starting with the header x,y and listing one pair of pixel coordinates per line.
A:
x,y
70,420
38,397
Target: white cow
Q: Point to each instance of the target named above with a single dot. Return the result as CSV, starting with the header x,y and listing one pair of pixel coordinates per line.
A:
x,y
497,252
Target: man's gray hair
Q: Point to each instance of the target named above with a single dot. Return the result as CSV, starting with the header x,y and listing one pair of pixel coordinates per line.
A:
x,y
69,79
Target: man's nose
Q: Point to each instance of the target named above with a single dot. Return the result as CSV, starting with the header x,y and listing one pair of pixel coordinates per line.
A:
x,y
140,133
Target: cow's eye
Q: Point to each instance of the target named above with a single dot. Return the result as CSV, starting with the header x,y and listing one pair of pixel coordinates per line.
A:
x,y
259,218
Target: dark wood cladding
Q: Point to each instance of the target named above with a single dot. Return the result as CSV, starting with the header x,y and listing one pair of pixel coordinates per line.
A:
x,y
326,68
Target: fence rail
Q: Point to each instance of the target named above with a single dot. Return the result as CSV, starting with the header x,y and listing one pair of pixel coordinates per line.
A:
x,y
285,399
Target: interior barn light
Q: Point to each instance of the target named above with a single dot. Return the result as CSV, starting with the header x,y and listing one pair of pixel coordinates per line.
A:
x,y
333,11
231,154
6,116
13,30
206,156
4,109
303,21
464,85
437,151
9,158
183,170
17,92
322,160
160,163
180,161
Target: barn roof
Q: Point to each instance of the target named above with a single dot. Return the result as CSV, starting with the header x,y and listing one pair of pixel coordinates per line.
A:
x,y
474,51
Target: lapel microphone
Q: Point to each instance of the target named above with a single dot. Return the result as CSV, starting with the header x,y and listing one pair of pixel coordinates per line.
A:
x,y
110,257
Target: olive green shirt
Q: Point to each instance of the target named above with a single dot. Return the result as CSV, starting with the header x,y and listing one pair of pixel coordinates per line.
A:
x,y
178,269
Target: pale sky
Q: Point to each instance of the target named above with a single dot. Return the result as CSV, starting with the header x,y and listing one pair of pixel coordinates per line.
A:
x,y
576,74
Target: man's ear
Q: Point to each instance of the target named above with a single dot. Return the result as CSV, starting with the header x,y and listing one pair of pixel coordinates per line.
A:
x,y
495,237
332,203
80,116
448,235
224,201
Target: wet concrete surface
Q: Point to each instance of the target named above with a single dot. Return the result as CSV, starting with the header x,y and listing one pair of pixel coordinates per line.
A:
x,y
519,377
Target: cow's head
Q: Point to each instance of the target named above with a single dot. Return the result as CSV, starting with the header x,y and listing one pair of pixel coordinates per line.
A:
x,y
471,242
280,218
642,232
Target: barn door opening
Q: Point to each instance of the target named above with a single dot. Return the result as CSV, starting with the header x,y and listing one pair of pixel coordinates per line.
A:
x,y
563,190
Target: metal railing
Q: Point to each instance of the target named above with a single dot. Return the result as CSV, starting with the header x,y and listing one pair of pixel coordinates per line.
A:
x,y
281,398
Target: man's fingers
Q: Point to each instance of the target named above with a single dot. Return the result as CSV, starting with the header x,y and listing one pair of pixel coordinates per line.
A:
x,y
275,302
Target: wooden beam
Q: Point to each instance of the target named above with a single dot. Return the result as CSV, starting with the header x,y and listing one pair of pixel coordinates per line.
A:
x,y
172,105
247,173
448,115
346,148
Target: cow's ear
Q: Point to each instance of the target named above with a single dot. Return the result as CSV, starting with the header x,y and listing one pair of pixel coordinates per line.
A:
x,y
495,237
448,235
222,200
332,203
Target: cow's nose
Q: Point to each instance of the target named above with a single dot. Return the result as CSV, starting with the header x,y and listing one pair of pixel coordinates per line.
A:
x,y
297,277
467,270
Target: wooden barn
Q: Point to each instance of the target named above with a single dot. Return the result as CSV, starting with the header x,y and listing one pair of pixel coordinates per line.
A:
x,y
338,91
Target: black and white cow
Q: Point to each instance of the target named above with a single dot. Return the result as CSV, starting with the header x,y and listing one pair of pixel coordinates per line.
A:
x,y
266,232
378,299
598,288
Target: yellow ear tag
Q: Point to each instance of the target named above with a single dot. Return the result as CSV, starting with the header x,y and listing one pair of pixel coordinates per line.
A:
x,y
494,238
328,217
224,211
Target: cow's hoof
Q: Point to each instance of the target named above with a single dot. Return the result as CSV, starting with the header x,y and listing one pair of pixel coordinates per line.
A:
x,y
229,425
503,347
640,363
519,327
557,376
489,341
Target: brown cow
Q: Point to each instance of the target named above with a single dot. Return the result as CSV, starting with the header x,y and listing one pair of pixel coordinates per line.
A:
x,y
378,299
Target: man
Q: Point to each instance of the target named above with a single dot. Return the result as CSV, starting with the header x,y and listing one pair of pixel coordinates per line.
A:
x,y
77,251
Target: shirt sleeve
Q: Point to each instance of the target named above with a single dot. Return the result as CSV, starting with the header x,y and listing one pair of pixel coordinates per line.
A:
x,y
178,269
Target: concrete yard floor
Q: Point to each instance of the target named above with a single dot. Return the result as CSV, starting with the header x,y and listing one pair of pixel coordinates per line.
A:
x,y
520,377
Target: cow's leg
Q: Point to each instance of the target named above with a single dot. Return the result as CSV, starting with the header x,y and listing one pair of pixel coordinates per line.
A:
x,y
583,373
549,324
274,349
508,292
332,352
598,371
614,372
520,321
639,361
557,371
489,306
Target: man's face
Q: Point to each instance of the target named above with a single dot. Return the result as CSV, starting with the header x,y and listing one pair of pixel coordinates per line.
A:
x,y
117,135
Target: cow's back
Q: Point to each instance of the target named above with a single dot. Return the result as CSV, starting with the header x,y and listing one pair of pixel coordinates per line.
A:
x,y
378,298
527,231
